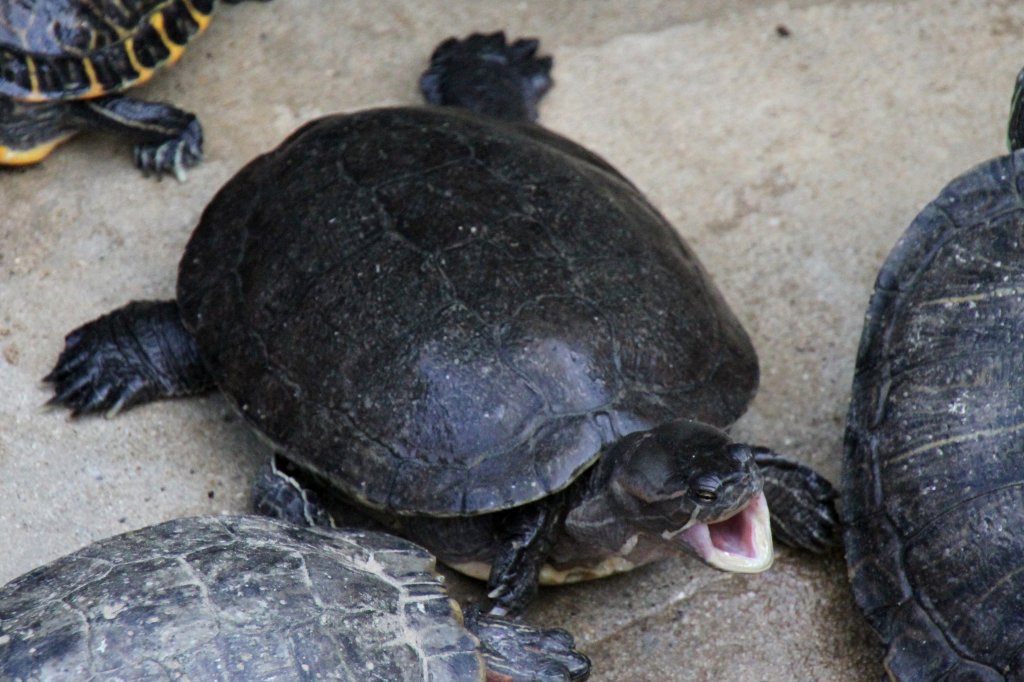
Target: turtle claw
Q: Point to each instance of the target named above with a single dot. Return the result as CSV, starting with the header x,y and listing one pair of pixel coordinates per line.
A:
x,y
91,374
173,155
523,49
515,652
536,71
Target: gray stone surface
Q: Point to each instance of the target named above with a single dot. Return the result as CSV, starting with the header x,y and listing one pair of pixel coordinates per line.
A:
x,y
791,164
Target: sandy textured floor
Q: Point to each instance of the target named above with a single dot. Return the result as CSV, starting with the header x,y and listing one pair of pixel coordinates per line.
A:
x,y
790,163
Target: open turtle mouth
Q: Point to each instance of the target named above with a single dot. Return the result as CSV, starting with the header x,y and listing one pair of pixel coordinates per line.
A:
x,y
741,543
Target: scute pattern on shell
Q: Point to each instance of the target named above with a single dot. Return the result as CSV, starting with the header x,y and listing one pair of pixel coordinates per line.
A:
x,y
444,314
933,478
222,598
69,49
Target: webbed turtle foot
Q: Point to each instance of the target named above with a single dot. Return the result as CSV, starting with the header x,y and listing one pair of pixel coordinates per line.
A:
x,y
520,653
801,501
485,74
174,155
135,354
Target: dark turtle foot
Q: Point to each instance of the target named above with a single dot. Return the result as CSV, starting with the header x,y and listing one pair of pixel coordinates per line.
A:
x,y
801,501
486,75
133,355
279,495
519,653
174,155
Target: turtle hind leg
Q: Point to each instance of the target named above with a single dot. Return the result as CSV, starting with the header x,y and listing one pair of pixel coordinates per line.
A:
x,y
801,502
167,139
486,75
133,355
515,652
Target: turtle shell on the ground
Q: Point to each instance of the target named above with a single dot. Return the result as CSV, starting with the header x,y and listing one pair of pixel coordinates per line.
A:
x,y
236,598
78,49
933,480
446,314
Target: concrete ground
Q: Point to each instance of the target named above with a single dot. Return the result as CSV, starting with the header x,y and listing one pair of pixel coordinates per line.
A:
x,y
790,145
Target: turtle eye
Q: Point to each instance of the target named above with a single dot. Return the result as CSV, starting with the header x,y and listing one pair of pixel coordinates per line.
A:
x,y
706,488
705,495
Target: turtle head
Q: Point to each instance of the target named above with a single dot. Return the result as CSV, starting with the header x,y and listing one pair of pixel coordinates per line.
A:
x,y
690,485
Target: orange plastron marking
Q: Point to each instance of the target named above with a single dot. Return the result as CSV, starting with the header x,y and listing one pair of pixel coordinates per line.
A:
x,y
24,157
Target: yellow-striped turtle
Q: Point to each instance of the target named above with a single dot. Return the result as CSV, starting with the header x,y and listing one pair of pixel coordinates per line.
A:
x,y
64,63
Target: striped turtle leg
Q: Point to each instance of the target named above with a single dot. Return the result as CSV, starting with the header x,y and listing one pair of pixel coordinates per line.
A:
x,y
29,132
279,494
167,139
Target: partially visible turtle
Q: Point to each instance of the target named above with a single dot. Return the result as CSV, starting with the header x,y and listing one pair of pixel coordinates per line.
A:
x,y
933,477
251,598
64,63
477,326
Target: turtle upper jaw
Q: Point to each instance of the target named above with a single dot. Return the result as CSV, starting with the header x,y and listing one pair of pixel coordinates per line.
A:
x,y
741,543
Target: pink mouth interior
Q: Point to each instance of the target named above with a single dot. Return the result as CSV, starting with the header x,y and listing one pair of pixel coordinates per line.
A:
x,y
735,535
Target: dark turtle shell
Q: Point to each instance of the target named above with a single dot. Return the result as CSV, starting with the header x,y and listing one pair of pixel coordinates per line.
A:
x,y
446,314
933,479
236,598
77,49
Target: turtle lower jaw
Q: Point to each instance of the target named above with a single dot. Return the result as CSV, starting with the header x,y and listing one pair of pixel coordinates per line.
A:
x,y
741,543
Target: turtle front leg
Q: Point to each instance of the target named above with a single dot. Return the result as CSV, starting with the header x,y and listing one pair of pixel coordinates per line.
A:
x,y
528,534
134,355
277,493
515,652
801,502
167,139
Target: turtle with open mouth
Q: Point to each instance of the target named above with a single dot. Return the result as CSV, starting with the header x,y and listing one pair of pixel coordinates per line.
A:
x,y
474,329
